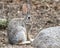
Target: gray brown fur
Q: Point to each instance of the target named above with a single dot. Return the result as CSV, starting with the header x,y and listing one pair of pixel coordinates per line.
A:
x,y
16,31
48,38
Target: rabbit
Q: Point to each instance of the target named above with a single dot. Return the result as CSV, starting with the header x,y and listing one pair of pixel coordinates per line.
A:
x,y
17,31
18,28
47,38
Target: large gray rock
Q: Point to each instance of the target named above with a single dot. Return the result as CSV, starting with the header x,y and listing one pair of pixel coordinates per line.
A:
x,y
48,38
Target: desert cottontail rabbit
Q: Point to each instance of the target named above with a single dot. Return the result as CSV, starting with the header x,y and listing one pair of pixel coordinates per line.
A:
x,y
17,30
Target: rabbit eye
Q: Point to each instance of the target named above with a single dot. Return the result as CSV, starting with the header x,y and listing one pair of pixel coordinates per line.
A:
x,y
28,17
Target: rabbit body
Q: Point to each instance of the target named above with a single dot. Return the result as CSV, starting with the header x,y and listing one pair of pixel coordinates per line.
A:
x,y
48,38
16,31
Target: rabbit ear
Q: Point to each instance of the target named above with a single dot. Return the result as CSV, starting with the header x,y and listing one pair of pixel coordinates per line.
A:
x,y
24,8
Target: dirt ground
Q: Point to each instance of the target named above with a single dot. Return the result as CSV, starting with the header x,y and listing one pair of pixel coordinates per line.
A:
x,y
44,14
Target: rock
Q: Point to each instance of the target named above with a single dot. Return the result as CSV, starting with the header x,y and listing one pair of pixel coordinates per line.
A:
x,y
48,38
